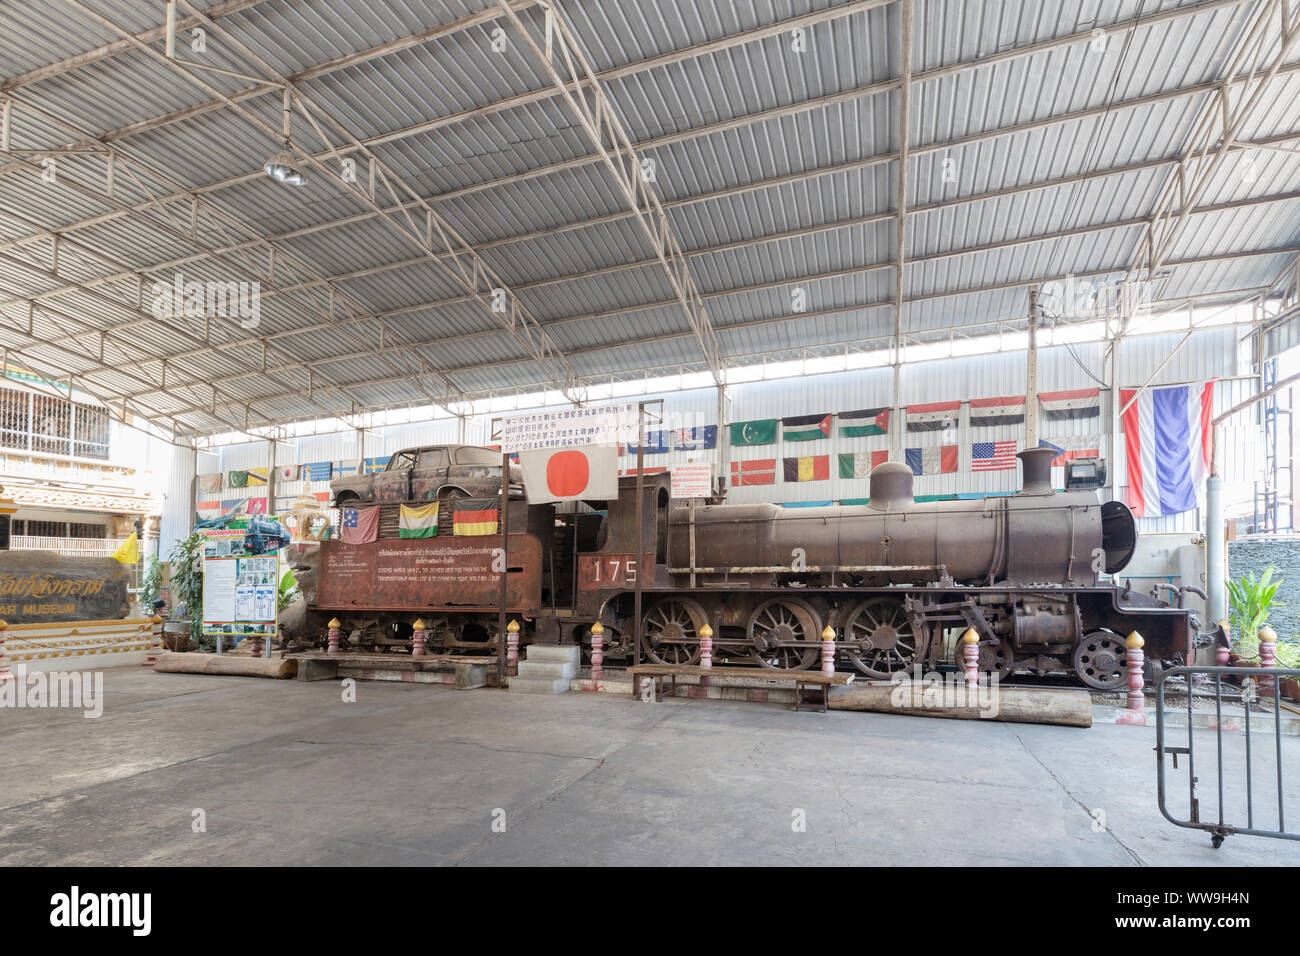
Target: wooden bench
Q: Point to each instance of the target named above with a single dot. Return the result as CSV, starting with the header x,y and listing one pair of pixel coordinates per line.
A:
x,y
804,681
467,672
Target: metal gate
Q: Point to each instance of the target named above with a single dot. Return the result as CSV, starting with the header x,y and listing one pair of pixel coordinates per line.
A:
x,y
1236,775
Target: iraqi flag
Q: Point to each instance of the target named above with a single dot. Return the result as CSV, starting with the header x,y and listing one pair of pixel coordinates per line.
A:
x,y
1071,404
988,412
1167,438
937,460
570,474
934,417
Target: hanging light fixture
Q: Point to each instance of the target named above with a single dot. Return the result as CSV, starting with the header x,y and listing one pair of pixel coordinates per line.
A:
x,y
281,167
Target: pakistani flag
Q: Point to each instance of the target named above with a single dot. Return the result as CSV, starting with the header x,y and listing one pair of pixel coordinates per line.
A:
x,y
806,427
760,432
419,521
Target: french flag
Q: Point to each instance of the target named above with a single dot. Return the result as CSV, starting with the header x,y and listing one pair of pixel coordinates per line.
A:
x,y
1167,439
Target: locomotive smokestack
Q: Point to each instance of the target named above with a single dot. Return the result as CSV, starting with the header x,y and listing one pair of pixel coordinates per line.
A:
x,y
1036,466
891,487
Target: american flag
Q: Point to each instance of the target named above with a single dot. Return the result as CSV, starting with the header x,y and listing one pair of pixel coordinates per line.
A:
x,y
992,456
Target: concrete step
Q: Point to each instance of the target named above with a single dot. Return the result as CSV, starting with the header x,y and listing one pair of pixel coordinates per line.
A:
x,y
549,669
554,653
538,685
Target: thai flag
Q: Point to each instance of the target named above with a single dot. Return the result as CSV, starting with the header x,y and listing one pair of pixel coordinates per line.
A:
x,y
1167,439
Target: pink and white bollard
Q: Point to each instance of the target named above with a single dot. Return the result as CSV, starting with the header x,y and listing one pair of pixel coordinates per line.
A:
x,y
155,642
334,631
971,656
597,651
512,648
828,650
4,661
417,637
1137,702
706,651
1267,657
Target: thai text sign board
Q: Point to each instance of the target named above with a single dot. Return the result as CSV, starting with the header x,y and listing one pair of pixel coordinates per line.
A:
x,y
41,586
692,481
240,590
429,573
570,428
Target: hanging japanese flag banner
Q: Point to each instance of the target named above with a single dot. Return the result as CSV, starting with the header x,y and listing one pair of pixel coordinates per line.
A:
x,y
570,474
1167,439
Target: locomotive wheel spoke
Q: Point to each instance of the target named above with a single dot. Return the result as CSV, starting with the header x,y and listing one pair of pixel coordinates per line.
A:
x,y
670,631
784,634
878,638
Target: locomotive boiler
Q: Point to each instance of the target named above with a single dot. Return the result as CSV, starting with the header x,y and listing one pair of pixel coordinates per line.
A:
x,y
1034,574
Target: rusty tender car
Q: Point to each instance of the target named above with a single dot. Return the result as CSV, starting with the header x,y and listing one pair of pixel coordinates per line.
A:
x,y
898,579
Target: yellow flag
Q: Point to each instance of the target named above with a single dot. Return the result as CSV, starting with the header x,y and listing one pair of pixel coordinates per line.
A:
x,y
129,551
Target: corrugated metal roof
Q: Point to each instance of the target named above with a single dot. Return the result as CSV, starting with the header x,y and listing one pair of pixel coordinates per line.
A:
x,y
1035,152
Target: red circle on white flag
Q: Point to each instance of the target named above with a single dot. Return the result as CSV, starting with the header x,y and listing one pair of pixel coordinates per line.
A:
x,y
567,473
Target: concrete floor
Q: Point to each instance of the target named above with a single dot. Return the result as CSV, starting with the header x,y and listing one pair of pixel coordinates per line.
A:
x,y
287,773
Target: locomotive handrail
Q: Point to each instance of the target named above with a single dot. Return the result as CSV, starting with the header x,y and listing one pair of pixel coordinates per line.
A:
x,y
812,568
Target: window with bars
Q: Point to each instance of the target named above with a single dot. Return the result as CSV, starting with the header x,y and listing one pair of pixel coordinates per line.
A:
x,y
52,426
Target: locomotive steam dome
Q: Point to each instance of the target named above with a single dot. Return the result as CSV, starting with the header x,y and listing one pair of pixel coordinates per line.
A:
x,y
890,486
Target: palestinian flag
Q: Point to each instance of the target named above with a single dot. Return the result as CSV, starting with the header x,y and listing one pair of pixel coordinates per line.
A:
x,y
1078,403
420,521
936,460
759,432
866,421
759,471
808,468
476,515
806,427
859,464
933,417
985,412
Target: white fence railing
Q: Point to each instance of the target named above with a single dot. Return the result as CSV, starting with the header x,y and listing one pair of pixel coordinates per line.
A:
x,y
73,547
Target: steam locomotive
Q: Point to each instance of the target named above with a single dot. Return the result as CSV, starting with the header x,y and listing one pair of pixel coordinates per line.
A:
x,y
897,579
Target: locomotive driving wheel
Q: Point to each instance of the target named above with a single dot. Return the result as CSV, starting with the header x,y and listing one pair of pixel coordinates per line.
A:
x,y
1100,660
997,659
785,634
670,631
878,638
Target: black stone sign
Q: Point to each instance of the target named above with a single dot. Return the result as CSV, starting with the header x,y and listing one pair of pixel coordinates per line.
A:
x,y
43,586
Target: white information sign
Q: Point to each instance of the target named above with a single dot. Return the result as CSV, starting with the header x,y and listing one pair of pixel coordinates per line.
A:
x,y
692,481
570,428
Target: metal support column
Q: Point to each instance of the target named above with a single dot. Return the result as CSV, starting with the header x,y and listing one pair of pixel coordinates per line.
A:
x,y
1031,373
